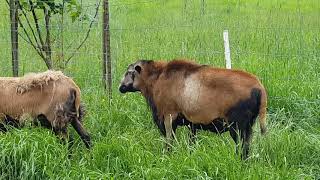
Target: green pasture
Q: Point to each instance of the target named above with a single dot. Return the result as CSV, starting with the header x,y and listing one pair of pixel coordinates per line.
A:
x,y
277,40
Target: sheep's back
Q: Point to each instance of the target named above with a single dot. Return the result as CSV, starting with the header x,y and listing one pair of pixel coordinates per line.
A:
x,y
35,94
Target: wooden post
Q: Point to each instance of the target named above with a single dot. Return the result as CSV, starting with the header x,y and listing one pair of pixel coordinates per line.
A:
x,y
106,64
14,36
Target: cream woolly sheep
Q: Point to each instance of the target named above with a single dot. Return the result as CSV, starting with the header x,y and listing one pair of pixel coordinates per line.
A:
x,y
51,97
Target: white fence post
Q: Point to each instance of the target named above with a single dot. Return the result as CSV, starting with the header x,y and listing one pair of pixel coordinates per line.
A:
x,y
227,49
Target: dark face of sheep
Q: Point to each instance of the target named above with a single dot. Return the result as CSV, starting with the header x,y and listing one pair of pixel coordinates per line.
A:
x,y
132,79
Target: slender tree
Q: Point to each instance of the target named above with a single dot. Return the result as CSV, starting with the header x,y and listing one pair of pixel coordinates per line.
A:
x,y
33,13
14,36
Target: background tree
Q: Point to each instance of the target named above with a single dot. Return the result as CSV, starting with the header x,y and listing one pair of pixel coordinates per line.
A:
x,y
33,13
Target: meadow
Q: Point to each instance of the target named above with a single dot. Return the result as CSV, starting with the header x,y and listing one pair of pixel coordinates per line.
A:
x,y
277,40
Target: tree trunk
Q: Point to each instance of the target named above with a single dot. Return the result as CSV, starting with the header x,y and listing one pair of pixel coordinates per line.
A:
x,y
107,77
14,36
47,45
48,62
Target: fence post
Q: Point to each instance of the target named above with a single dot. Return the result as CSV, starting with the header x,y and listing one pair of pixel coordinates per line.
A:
x,y
14,36
227,49
107,78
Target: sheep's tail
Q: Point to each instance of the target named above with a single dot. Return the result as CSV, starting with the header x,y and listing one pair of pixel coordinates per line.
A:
x,y
78,102
82,112
74,102
263,112
77,94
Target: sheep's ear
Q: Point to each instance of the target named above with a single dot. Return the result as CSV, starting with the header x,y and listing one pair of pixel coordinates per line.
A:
x,y
138,68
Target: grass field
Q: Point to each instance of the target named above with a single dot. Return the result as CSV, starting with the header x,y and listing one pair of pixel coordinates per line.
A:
x,y
277,40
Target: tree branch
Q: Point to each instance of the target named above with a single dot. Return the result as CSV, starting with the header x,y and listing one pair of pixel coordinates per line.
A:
x,y
86,37
26,33
62,29
30,41
35,18
29,24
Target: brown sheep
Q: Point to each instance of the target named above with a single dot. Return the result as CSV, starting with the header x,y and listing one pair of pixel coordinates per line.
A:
x,y
49,97
200,94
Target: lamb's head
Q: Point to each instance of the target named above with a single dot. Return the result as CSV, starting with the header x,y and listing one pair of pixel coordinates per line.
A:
x,y
132,80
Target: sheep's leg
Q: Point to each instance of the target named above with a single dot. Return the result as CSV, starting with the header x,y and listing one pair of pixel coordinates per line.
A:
x,y
169,130
246,135
3,123
71,141
234,134
61,133
76,124
174,127
42,121
12,122
8,121
3,127
193,133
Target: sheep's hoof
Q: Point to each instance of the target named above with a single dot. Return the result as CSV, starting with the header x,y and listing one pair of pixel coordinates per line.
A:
x,y
87,142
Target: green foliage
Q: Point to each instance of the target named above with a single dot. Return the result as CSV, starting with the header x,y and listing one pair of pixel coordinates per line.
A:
x,y
72,7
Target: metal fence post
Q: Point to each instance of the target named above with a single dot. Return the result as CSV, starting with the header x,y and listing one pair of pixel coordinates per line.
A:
x,y
14,36
227,49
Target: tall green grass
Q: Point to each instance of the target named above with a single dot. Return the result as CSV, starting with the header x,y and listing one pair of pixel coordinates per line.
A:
x,y
276,40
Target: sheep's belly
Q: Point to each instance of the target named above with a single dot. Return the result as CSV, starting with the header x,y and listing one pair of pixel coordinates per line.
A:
x,y
201,117
20,109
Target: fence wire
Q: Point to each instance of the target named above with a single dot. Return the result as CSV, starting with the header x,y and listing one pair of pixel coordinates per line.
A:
x,y
279,44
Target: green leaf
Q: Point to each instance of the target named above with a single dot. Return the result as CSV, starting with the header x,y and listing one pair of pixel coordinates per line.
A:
x,y
74,15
